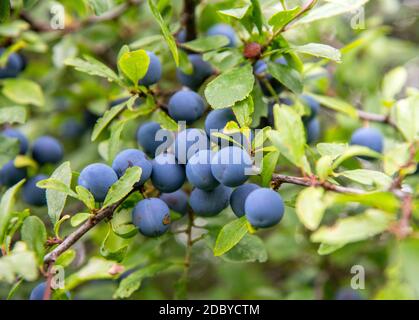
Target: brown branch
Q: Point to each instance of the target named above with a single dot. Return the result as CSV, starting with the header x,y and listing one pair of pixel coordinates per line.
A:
x,y
189,19
278,179
82,230
364,115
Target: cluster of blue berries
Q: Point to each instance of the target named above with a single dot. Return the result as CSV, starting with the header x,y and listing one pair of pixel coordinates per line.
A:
x,y
44,150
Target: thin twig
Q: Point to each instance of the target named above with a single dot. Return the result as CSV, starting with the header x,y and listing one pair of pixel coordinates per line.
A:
x,y
278,179
364,115
189,19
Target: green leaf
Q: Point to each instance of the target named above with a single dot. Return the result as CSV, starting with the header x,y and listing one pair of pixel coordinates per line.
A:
x,y
34,235
289,136
123,186
57,185
324,167
368,177
268,167
230,87
95,269
66,258
331,9
333,150
4,10
355,151
108,116
86,197
207,43
93,67
396,157
251,248
7,203
289,77
56,199
325,249
19,263
385,201
27,4
409,259
15,114
115,139
9,148
134,65
310,207
336,105
133,282
165,121
282,18
237,13
406,117
230,235
319,50
353,229
393,82
23,91
165,30
122,223
115,255
257,15
243,111
79,218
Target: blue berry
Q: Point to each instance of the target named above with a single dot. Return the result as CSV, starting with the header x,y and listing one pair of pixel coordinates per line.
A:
x,y
188,142
151,217
209,203
229,166
222,29
313,130
186,105
264,208
72,129
198,170
33,195
97,178
368,137
177,201
23,141
130,158
167,175
238,198
10,175
47,149
154,71
13,67
148,137
201,71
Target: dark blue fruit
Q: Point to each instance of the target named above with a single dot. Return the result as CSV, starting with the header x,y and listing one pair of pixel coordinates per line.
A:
x,y
90,119
230,165
167,175
368,137
177,201
10,175
209,203
186,105
38,292
313,130
201,71
13,67
238,198
198,170
130,158
222,29
151,217
72,129
313,105
33,195
97,178
188,142
154,71
264,208
149,137
47,149
181,36
216,120
23,141
260,69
